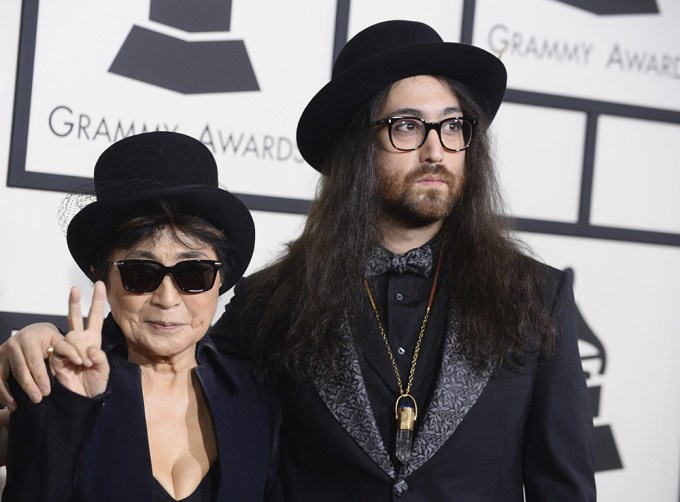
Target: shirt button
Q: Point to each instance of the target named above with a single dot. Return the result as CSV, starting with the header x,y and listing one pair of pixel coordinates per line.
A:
x,y
399,297
401,351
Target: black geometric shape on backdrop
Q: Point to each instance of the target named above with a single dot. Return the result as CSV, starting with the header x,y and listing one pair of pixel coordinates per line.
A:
x,y
186,67
586,334
594,392
611,7
192,16
20,176
14,321
606,454
5,328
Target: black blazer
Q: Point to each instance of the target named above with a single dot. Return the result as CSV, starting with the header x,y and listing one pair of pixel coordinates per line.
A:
x,y
71,448
484,437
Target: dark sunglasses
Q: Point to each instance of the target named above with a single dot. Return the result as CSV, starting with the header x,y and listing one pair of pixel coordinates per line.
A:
x,y
144,276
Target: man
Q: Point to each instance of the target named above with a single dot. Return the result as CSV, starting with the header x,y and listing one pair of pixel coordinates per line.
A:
x,y
477,341
420,354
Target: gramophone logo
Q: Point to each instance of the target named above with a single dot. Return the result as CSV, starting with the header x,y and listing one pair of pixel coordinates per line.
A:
x,y
189,67
610,7
594,360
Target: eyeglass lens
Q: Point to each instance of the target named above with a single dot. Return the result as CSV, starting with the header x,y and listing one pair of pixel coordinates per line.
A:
x,y
410,133
192,276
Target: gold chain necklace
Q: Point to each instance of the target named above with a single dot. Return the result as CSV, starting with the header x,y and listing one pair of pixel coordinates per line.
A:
x,y
404,411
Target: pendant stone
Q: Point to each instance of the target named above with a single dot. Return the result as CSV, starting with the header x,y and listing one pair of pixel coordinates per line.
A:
x,y
406,416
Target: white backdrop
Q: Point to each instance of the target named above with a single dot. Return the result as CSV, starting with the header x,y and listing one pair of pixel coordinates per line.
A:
x,y
586,148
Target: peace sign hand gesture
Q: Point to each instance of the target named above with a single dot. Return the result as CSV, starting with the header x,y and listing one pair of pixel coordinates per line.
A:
x,y
77,361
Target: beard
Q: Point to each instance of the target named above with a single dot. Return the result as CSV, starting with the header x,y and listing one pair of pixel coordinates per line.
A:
x,y
403,200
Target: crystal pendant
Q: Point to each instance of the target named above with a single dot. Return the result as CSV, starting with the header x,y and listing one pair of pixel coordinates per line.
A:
x,y
406,417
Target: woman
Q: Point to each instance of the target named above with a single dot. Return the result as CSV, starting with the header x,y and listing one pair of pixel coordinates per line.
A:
x,y
155,413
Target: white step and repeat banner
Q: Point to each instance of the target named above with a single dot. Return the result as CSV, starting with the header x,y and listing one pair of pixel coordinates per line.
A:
x,y
586,144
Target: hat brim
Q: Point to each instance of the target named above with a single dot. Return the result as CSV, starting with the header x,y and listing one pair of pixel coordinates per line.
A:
x,y
94,223
332,108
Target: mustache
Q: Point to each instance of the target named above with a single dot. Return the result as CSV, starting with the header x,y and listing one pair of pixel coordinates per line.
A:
x,y
425,169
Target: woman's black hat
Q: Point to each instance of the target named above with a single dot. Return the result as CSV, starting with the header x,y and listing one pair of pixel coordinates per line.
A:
x,y
136,174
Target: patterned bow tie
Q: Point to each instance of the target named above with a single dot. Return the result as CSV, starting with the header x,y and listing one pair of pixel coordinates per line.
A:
x,y
417,261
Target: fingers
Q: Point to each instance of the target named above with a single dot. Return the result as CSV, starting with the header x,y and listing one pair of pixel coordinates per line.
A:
x,y
97,383
92,336
23,354
14,356
5,395
80,339
75,315
100,362
87,382
98,357
36,376
68,353
34,341
95,318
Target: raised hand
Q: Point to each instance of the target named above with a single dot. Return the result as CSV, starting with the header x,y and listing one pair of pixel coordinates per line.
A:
x,y
77,361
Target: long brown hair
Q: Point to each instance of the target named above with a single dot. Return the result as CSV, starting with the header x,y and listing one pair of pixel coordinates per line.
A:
x,y
300,299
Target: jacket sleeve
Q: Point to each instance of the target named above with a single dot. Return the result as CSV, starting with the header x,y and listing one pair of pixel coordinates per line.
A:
x,y
230,331
229,335
46,441
558,448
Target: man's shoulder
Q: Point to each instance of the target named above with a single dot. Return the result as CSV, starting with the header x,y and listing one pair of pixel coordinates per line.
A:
x,y
549,272
553,279
248,282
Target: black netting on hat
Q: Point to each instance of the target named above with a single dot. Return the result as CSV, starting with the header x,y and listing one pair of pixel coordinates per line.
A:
x,y
84,195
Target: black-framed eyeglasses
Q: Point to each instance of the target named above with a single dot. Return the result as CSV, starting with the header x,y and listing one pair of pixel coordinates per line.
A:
x,y
410,133
191,276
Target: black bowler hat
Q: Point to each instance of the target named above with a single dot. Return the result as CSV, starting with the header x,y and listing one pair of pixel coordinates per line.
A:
x,y
134,175
385,53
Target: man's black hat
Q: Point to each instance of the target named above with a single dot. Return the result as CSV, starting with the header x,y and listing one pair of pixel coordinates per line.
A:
x,y
381,55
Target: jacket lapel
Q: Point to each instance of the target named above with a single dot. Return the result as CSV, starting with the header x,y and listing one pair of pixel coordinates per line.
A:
x,y
346,397
456,391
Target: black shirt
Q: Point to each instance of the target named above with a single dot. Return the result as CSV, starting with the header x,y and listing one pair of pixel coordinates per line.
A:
x,y
401,300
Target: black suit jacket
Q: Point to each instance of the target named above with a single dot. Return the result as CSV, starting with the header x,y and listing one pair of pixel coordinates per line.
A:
x,y
71,448
498,435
